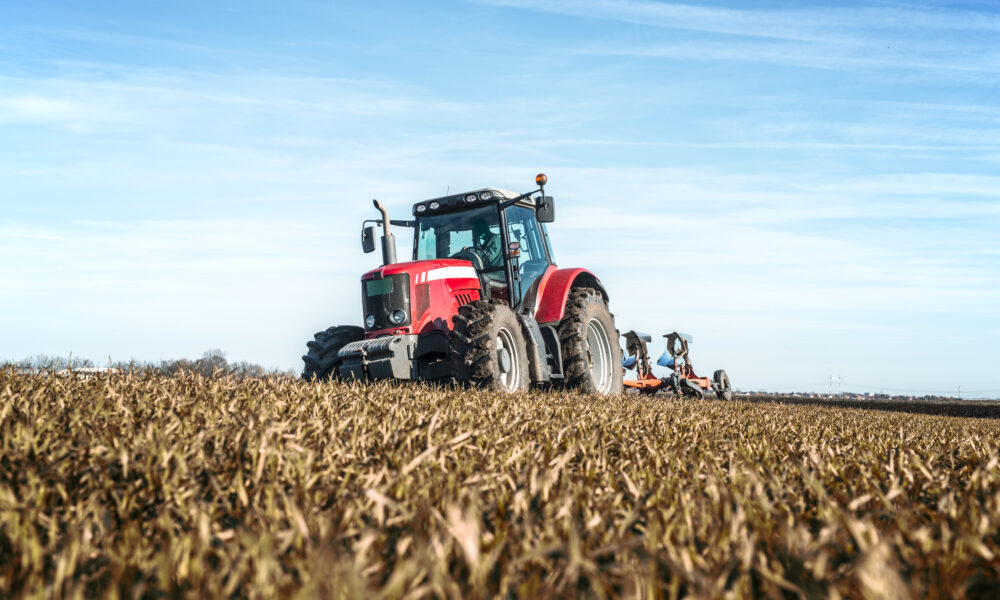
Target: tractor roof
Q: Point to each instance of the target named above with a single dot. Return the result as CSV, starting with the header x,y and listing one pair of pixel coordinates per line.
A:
x,y
465,199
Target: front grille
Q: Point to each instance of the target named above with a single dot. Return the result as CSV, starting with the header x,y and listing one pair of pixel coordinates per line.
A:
x,y
381,297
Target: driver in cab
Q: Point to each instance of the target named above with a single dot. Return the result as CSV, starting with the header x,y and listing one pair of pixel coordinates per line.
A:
x,y
487,245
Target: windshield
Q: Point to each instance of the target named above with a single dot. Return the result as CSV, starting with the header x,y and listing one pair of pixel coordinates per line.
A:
x,y
445,235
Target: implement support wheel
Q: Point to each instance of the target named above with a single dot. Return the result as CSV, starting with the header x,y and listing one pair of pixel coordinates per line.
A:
x,y
720,383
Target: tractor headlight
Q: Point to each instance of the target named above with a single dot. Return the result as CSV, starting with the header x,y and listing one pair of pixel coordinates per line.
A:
x,y
434,205
485,195
397,316
421,208
471,198
370,321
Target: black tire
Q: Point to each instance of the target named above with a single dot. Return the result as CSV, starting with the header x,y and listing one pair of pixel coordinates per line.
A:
x,y
321,361
488,348
591,356
723,389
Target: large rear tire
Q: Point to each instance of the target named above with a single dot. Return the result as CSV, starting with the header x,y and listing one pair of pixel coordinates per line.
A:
x,y
723,389
488,347
321,361
592,358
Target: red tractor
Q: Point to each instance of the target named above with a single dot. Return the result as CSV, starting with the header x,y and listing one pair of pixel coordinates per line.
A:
x,y
482,302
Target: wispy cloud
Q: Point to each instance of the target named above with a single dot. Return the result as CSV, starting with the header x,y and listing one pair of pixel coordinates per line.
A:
x,y
805,24
813,55
848,38
37,109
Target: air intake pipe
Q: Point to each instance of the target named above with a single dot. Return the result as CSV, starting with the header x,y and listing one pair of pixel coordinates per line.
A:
x,y
388,242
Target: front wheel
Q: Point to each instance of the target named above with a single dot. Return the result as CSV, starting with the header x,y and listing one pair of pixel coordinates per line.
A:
x,y
592,359
321,361
488,348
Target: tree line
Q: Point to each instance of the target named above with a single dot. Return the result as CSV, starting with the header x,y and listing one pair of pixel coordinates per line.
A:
x,y
212,362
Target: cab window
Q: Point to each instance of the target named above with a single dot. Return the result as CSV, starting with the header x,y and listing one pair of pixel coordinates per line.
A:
x,y
444,235
472,234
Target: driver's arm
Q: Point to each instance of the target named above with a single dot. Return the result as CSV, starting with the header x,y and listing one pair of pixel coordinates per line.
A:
x,y
492,253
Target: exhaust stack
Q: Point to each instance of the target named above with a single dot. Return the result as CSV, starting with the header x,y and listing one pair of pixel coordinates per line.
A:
x,y
388,241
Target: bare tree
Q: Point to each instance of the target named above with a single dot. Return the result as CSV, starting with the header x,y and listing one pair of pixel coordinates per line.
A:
x,y
212,361
44,362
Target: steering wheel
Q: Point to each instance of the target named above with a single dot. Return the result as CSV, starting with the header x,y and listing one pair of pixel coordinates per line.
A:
x,y
470,255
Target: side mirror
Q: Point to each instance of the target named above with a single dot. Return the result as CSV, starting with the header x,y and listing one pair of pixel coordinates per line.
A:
x,y
545,209
368,239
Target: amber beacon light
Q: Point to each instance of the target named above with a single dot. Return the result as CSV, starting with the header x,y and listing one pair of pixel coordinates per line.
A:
x,y
541,179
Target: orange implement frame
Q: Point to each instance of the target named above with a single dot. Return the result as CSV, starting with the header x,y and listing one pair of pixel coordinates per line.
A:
x,y
648,384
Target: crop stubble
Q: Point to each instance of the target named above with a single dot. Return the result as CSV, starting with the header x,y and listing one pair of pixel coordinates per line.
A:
x,y
140,485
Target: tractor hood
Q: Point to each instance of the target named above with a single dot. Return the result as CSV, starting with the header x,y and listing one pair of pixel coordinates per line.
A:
x,y
427,292
423,271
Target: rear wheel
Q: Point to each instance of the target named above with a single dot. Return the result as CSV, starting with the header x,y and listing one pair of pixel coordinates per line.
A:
x,y
723,390
321,361
488,347
592,359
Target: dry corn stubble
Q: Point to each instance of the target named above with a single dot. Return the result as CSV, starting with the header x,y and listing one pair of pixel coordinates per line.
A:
x,y
139,485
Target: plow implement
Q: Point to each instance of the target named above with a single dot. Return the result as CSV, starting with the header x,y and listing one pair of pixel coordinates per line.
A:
x,y
682,379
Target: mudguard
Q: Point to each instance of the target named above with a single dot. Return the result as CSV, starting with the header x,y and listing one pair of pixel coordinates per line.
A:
x,y
554,287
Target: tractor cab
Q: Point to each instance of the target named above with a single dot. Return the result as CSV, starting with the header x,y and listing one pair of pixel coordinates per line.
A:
x,y
501,233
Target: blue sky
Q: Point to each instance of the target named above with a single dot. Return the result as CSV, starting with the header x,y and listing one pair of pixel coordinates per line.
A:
x,y
808,189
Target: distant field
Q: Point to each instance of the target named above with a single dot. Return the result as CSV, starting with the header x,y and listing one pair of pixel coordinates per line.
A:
x,y
989,409
187,486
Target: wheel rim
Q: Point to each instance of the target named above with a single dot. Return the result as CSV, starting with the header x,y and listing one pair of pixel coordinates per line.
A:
x,y
599,353
505,343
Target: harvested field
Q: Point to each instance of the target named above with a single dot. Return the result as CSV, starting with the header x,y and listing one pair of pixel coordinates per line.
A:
x,y
191,486
986,409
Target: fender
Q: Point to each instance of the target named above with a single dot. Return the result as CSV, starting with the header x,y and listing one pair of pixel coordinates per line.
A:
x,y
554,287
